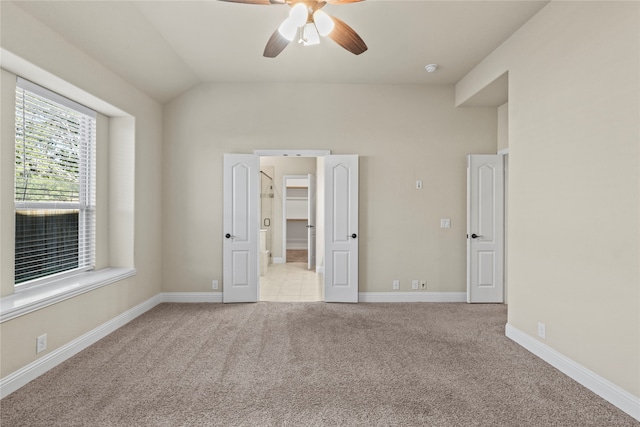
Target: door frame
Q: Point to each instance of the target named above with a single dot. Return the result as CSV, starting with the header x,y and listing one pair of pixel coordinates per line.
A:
x,y
341,239
312,219
500,225
286,153
240,253
505,153
284,211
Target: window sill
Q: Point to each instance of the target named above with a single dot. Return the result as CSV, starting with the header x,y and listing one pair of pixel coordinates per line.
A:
x,y
37,297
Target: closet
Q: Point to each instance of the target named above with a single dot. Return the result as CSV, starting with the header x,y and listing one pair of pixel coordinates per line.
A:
x,y
297,213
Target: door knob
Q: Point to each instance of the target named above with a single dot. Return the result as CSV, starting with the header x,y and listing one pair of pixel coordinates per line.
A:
x,y
354,235
228,236
475,236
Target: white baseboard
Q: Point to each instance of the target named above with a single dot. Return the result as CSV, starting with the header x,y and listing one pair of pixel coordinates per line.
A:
x,y
22,376
604,388
412,297
191,296
277,260
216,297
319,269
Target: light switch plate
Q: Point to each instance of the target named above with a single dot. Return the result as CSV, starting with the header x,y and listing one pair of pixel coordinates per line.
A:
x,y
445,223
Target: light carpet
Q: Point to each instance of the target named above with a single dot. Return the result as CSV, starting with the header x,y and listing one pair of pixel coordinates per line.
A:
x,y
309,364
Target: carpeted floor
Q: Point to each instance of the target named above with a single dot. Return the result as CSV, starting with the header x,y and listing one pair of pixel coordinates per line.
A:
x,y
309,364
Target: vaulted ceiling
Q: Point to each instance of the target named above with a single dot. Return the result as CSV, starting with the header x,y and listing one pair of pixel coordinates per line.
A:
x,y
166,47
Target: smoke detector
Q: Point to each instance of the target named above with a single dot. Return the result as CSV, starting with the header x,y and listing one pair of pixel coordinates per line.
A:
x,y
431,68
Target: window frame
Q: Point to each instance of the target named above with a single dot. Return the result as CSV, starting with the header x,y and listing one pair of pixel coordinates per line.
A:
x,y
116,210
86,204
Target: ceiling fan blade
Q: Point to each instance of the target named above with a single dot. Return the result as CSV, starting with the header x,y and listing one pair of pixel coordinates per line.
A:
x,y
275,45
346,37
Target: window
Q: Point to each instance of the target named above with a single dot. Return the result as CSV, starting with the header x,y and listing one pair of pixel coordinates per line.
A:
x,y
54,184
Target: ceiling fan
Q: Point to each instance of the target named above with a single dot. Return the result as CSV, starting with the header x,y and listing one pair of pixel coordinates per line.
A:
x,y
309,23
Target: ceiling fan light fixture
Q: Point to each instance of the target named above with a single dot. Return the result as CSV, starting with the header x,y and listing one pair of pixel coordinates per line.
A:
x,y
299,14
323,22
310,35
288,29
305,13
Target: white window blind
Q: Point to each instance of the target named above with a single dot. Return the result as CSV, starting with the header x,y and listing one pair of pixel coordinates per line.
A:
x,y
54,184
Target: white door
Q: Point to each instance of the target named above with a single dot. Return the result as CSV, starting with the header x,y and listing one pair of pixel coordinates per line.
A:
x,y
240,228
311,222
485,228
341,228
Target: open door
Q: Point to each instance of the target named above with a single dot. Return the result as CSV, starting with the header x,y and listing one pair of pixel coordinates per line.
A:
x,y
240,228
311,222
485,228
341,228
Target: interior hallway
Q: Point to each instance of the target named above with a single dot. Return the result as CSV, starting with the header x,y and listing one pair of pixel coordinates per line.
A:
x,y
291,282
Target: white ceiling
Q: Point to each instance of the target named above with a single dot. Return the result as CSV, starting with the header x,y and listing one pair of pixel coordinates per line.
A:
x,y
166,47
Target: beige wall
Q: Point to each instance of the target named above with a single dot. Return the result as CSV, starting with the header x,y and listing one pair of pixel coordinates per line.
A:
x,y
52,60
402,133
574,163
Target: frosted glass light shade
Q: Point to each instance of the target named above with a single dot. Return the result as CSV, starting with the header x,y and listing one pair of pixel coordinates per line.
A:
x,y
311,36
288,29
324,23
299,14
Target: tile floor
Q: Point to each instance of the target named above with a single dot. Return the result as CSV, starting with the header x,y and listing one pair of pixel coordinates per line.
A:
x,y
291,282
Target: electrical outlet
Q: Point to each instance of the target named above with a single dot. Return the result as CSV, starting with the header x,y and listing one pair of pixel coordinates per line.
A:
x,y
542,330
414,284
41,343
423,284
396,284
214,284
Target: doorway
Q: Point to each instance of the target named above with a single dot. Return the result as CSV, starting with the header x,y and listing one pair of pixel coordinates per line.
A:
x,y
289,227
486,228
299,228
241,224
